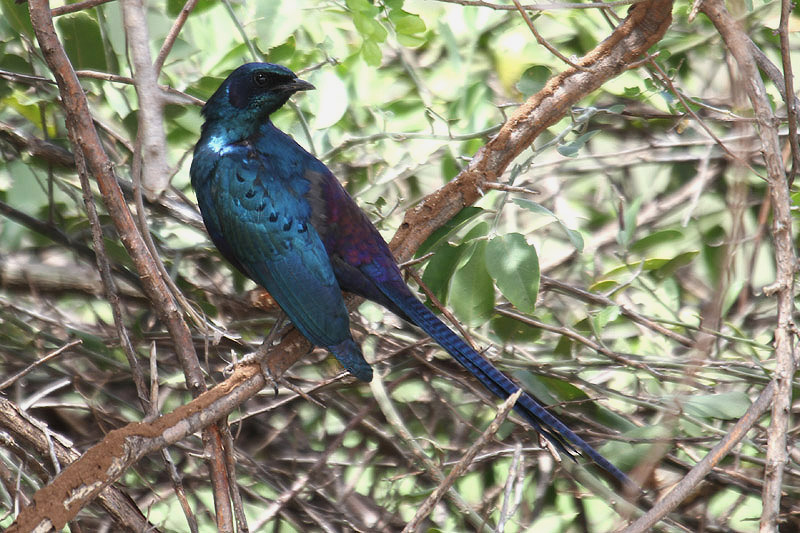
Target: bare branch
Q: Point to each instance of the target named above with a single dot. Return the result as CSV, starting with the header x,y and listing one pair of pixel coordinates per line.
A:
x,y
645,25
151,139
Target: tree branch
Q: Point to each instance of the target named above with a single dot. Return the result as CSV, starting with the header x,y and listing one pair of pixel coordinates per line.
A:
x,y
150,139
644,26
690,481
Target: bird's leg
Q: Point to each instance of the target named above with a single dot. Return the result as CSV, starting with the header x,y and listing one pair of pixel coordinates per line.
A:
x,y
261,353
274,334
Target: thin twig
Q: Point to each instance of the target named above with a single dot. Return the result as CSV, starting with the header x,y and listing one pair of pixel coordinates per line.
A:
x,y
174,31
543,7
690,481
463,464
77,6
27,370
788,93
542,41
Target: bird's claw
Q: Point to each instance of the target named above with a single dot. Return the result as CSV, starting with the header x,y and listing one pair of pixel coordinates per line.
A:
x,y
268,377
258,357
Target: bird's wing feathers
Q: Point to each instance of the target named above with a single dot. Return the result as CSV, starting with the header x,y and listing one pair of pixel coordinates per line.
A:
x,y
350,238
265,225
282,218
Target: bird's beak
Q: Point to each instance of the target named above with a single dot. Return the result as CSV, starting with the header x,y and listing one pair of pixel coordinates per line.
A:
x,y
298,85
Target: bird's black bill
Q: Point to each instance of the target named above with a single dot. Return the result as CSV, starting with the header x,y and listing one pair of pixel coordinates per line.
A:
x,y
298,85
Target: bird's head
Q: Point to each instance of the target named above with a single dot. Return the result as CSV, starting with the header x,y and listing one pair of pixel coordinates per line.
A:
x,y
252,92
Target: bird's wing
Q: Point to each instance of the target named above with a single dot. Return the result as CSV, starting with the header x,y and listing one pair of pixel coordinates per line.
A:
x,y
264,223
350,239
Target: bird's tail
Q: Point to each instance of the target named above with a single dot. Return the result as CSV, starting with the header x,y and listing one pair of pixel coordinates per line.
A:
x,y
349,355
545,423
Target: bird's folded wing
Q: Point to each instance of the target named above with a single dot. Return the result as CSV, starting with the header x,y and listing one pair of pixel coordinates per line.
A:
x,y
265,226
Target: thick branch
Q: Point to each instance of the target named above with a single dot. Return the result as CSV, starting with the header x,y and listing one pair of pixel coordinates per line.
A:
x,y
50,152
84,136
84,139
645,25
28,432
58,502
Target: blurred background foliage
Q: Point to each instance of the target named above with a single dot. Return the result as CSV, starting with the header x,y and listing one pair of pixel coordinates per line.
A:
x,y
627,198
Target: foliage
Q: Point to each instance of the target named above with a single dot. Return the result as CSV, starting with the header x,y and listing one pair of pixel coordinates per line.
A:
x,y
637,209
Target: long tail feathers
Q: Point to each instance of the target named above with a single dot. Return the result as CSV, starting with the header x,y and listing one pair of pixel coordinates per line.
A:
x,y
498,383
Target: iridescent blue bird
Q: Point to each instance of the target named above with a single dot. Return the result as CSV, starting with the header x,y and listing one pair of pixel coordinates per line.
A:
x,y
280,216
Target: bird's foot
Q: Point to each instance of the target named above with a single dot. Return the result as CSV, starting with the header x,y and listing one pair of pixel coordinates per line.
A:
x,y
258,357
268,377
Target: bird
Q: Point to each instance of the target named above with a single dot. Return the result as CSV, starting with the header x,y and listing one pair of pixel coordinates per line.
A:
x,y
280,217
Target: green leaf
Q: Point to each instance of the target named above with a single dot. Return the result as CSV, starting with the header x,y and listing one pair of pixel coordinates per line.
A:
x,y
627,456
174,7
512,331
604,285
681,260
440,268
406,23
204,87
631,92
654,239
629,214
284,52
572,148
663,267
448,228
606,315
723,406
82,41
479,230
471,291
574,236
362,7
371,53
514,266
16,15
369,28
410,41
533,79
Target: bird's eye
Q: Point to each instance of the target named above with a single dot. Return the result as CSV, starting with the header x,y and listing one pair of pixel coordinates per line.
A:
x,y
260,78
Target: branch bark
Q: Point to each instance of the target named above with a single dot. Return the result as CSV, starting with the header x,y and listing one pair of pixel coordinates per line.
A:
x,y
84,138
151,139
27,431
58,502
690,481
